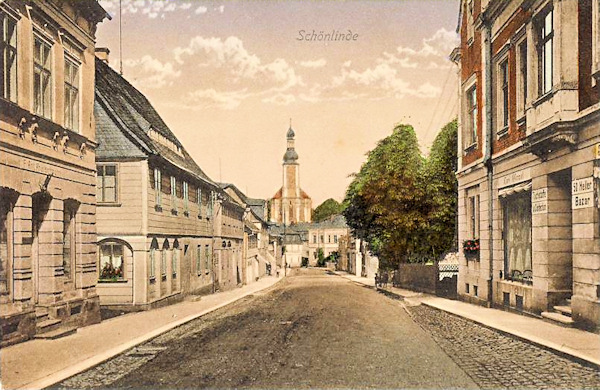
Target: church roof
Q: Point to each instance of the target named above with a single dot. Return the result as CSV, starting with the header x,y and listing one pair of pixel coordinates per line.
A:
x,y
290,133
290,156
278,194
304,195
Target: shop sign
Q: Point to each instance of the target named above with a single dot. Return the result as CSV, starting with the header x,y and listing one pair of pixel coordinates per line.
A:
x,y
514,178
582,193
539,201
597,151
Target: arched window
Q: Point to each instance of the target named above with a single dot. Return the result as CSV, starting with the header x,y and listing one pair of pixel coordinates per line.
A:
x,y
152,270
112,261
163,260
174,259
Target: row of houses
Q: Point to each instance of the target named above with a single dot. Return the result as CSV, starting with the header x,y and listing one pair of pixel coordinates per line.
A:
x,y
100,204
529,157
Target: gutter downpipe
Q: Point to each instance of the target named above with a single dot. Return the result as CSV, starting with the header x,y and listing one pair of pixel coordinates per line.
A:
x,y
487,160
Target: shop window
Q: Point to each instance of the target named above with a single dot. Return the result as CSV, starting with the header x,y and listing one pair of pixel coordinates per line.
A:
x,y
112,264
106,182
71,95
42,79
517,237
8,57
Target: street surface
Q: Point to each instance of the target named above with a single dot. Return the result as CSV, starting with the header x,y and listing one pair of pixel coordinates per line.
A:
x,y
319,330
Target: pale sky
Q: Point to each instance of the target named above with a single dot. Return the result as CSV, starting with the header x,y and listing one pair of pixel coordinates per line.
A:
x,y
227,77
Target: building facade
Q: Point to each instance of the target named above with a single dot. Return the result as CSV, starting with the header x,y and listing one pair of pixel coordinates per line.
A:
x,y
165,229
325,237
529,166
290,204
47,169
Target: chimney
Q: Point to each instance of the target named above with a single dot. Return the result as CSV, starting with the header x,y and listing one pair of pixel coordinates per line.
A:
x,y
102,54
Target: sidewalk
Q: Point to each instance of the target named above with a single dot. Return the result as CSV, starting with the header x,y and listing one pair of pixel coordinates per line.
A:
x,y
582,345
40,363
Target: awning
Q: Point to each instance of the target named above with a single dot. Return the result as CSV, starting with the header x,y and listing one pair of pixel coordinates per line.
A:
x,y
518,188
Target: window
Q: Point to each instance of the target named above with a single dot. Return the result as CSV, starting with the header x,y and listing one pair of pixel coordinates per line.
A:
x,y
111,262
106,182
503,100
8,57
163,263
68,239
335,239
545,52
186,195
209,206
322,239
207,259
71,95
517,237
329,239
199,200
199,259
174,263
157,186
42,79
174,192
475,290
472,116
473,216
314,238
5,241
522,78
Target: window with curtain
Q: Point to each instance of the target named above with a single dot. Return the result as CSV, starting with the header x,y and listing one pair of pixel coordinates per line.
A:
x,y
112,264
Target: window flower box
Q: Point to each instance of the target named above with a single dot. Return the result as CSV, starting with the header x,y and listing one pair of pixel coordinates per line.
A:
x,y
471,248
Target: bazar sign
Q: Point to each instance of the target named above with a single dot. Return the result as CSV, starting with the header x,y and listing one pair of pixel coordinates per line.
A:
x,y
514,178
582,193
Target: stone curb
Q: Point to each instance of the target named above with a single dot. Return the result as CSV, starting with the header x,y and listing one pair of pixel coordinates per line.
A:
x,y
561,350
93,361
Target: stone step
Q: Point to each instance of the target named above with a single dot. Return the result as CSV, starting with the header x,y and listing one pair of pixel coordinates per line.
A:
x,y
47,325
560,319
56,333
564,310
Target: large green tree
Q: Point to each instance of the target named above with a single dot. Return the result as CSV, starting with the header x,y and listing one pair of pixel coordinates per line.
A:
x,y
384,201
442,190
403,204
327,209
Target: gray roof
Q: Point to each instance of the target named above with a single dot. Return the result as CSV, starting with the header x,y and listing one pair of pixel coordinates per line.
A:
x,y
124,118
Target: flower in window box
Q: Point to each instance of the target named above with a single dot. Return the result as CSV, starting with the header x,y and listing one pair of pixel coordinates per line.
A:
x,y
471,247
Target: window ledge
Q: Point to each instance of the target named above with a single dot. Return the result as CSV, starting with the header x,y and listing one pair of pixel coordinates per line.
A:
x,y
112,281
152,280
471,147
543,98
158,208
163,278
521,120
108,204
503,132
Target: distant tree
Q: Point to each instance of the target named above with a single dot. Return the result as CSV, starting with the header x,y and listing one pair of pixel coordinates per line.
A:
x,y
327,209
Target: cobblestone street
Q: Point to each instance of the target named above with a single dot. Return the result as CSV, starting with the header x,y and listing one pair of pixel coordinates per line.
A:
x,y
319,330
494,360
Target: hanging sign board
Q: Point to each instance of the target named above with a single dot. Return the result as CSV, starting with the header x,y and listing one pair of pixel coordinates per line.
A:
x,y
582,193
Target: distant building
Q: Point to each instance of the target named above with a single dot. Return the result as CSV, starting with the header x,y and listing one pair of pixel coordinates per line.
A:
x,y
529,157
47,168
291,204
325,237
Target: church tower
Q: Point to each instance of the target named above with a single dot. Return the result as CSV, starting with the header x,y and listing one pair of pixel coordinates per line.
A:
x,y
290,204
